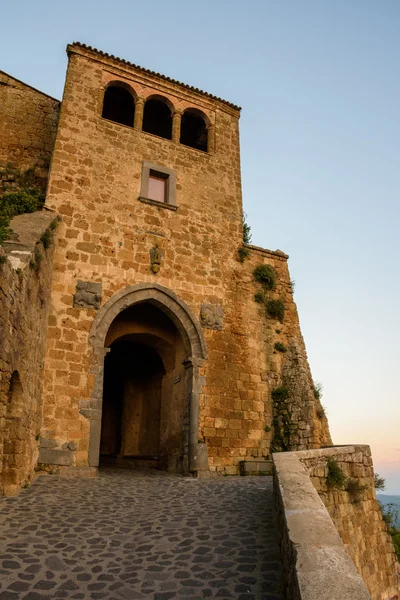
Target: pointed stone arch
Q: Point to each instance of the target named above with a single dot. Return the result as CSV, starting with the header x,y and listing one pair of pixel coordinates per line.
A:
x,y
195,350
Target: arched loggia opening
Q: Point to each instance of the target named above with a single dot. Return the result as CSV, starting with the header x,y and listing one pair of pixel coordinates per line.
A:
x,y
148,349
194,130
119,104
157,118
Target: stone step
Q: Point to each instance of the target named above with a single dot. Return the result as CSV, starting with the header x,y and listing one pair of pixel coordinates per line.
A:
x,y
255,466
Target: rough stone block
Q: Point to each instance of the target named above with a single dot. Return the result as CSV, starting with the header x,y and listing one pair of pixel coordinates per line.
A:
x,y
55,457
212,316
87,294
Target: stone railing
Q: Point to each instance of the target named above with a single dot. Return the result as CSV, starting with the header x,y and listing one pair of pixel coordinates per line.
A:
x,y
334,542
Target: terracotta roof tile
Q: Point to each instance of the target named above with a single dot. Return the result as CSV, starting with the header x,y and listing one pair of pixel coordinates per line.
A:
x,y
129,64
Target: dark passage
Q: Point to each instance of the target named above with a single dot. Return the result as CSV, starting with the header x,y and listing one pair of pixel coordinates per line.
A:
x,y
131,401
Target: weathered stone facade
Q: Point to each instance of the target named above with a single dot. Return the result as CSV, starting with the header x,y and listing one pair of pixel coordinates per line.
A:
x,y
28,125
24,304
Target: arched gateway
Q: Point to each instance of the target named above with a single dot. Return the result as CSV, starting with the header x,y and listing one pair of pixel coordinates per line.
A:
x,y
148,347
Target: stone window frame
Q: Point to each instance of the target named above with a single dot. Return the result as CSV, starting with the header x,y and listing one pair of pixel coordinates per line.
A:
x,y
165,173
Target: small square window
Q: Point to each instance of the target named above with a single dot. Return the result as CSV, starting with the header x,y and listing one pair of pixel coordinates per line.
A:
x,y
157,189
158,186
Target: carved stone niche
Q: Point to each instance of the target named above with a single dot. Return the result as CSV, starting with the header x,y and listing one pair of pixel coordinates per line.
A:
x,y
87,294
212,316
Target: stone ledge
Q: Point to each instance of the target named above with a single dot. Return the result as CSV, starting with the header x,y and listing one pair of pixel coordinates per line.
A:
x,y
157,203
316,563
79,472
274,253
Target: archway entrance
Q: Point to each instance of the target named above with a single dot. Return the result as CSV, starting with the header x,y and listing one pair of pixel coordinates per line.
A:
x,y
148,350
145,415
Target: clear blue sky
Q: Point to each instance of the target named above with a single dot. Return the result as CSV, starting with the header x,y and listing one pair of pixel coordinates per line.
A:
x,y
320,139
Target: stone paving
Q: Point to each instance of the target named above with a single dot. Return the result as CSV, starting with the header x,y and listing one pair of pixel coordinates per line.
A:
x,y
133,534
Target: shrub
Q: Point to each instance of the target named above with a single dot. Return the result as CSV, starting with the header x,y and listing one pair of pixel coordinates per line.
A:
x,y
276,309
265,275
280,347
259,298
321,412
317,390
280,393
355,489
17,203
46,238
54,223
243,253
336,477
35,261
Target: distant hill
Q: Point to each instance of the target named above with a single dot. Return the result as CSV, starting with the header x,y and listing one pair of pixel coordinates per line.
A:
x,y
386,499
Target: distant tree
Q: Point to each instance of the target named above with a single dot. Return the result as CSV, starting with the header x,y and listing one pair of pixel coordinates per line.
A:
x,y
246,230
390,515
379,482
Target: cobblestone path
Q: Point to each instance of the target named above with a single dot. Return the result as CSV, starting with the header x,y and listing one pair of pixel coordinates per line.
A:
x,y
132,534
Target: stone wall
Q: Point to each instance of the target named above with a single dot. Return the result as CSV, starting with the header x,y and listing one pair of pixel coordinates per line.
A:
x,y
25,274
354,512
28,124
296,418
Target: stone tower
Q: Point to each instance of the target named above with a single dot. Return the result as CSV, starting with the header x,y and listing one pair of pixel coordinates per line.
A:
x,y
163,344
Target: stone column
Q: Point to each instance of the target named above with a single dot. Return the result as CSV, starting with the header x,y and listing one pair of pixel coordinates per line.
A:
x,y
198,455
211,139
94,411
139,107
176,127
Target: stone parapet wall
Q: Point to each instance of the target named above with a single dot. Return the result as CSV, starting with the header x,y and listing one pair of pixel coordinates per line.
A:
x,y
312,517
25,275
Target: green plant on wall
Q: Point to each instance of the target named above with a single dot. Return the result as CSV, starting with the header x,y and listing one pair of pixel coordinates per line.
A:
x,y
259,297
317,390
280,347
265,274
22,198
35,261
280,393
335,478
283,430
355,489
282,422
243,253
276,309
